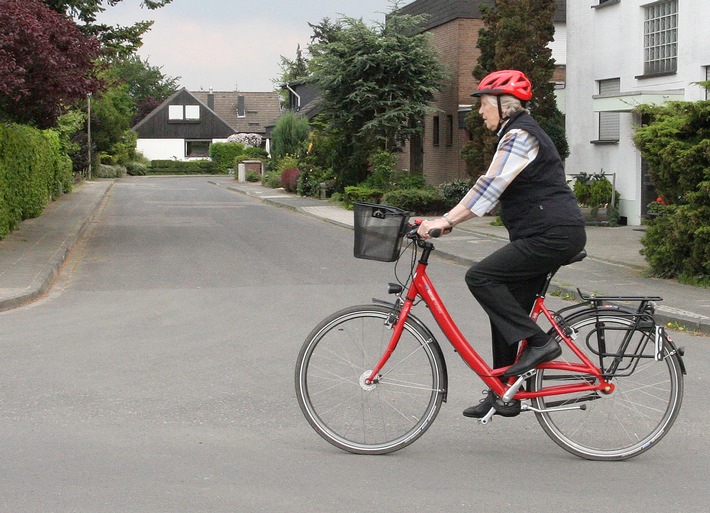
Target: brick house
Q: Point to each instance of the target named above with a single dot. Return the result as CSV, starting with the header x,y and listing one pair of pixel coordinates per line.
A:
x,y
454,26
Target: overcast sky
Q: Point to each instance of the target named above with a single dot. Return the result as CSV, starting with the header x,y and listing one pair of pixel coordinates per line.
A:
x,y
233,44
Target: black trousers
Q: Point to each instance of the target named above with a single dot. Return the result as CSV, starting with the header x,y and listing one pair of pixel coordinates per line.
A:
x,y
506,282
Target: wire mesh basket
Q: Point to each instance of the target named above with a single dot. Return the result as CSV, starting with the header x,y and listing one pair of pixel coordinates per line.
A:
x,y
378,231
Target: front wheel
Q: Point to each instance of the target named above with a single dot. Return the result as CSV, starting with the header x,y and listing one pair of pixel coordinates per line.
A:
x,y
369,418
641,409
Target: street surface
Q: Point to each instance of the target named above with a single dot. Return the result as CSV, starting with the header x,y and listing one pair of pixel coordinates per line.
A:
x,y
157,376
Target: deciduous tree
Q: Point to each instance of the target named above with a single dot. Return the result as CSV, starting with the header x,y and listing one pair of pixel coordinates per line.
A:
x,y
116,40
46,63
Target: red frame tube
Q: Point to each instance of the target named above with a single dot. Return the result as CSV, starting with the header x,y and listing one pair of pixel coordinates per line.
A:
x,y
423,287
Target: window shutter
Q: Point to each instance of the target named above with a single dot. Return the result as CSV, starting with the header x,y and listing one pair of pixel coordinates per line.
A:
x,y
609,122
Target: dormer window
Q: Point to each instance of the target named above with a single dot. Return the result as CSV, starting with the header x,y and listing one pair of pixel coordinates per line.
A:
x,y
183,113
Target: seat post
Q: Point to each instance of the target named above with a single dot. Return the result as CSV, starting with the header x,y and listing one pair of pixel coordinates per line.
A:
x,y
546,285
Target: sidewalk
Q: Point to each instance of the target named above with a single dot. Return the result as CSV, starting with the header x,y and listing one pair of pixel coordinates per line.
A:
x,y
613,266
32,256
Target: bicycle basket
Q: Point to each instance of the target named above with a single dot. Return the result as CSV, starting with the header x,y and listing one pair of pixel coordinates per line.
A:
x,y
378,231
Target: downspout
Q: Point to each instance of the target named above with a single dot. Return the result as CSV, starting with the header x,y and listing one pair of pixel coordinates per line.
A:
x,y
298,98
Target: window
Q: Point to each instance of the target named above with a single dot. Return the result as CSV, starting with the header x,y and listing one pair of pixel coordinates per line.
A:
x,y
197,149
707,79
609,122
178,113
660,38
435,132
449,130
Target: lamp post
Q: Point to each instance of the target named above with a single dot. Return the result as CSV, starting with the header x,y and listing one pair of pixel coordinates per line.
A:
x,y
88,98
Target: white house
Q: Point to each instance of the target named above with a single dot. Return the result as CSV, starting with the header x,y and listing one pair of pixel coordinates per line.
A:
x,y
620,54
185,125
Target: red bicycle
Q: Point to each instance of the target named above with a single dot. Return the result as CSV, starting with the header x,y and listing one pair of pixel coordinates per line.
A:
x,y
371,379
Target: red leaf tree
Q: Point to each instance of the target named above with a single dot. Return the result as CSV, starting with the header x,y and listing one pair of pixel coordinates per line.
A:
x,y
46,63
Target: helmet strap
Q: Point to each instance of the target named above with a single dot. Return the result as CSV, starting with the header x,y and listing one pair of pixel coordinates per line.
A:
x,y
500,113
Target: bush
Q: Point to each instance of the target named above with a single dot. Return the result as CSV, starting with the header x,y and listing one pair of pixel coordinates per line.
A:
x,y
360,194
309,182
385,176
594,190
33,171
272,179
289,179
109,171
422,201
677,244
136,169
289,136
190,167
224,153
676,145
452,192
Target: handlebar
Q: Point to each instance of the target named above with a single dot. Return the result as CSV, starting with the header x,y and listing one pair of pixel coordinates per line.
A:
x,y
413,227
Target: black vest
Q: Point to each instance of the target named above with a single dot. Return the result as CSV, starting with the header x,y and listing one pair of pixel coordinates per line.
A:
x,y
539,197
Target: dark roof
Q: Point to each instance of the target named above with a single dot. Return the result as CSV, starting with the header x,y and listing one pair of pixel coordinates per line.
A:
x,y
443,11
257,108
157,124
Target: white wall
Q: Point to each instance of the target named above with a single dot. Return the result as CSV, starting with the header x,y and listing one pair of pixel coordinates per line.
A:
x,y
165,149
162,149
607,42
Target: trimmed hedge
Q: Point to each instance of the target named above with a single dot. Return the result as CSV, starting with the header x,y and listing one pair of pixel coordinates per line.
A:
x,y
190,167
33,171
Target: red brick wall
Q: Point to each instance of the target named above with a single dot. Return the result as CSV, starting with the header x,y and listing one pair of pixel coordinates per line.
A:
x,y
456,43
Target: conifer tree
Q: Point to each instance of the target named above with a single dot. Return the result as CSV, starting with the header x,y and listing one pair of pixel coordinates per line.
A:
x,y
516,35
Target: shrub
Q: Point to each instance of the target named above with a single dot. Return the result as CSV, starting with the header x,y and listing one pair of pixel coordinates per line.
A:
x,y
136,169
224,153
289,179
272,179
453,191
289,136
190,167
385,176
594,190
676,144
356,193
33,171
677,244
109,171
422,201
309,182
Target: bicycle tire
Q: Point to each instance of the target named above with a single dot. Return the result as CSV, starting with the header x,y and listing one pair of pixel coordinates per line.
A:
x,y
369,419
632,419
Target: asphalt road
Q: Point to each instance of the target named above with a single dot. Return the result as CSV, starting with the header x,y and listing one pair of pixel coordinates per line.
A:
x,y
157,376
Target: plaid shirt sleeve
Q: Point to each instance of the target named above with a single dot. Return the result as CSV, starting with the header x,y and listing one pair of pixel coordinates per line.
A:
x,y
515,151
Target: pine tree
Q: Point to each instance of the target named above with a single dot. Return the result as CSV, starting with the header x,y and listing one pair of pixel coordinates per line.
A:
x,y
516,35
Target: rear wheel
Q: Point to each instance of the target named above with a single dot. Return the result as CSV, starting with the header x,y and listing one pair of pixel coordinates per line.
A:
x,y
369,418
637,414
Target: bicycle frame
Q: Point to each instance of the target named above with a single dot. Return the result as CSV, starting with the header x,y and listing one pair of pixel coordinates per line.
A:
x,y
422,286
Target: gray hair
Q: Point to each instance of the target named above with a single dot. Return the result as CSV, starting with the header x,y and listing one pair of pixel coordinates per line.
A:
x,y
509,104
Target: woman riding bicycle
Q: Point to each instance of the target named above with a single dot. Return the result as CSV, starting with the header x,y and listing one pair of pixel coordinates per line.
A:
x,y
545,225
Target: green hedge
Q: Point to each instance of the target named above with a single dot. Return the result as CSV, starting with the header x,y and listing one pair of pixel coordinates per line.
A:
x,y
33,171
421,201
190,167
224,153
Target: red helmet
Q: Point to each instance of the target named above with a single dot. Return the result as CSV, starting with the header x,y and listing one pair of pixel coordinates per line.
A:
x,y
507,81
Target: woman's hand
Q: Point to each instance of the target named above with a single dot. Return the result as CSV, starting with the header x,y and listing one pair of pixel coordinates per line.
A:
x,y
427,226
